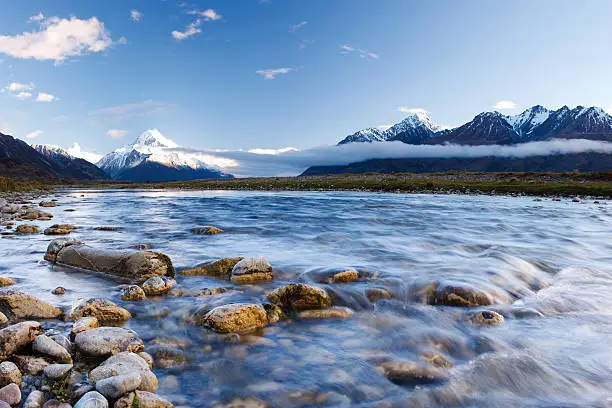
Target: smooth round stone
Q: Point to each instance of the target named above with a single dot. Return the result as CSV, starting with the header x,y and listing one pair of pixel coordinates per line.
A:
x,y
105,341
122,363
345,276
486,318
5,405
115,387
252,270
57,371
158,285
300,296
9,373
92,399
133,293
36,399
59,291
11,394
53,403
331,313
83,324
48,347
236,318
145,400
7,281
20,305
3,318
62,341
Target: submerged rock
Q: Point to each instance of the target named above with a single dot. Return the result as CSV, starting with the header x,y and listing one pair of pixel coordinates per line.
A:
x,y
411,373
165,357
331,313
136,266
133,293
19,305
459,295
375,294
104,341
92,399
27,229
107,228
221,267
158,285
300,296
7,282
102,309
143,399
246,403
486,318
9,373
236,318
83,324
208,230
344,276
252,270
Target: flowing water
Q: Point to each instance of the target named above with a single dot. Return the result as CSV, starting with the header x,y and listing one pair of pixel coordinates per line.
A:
x,y
546,264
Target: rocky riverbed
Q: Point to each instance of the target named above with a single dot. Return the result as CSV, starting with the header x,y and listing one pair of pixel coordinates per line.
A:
x,y
232,299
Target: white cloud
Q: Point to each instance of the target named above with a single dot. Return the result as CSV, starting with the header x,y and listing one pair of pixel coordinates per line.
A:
x,y
36,18
136,15
191,29
412,110
150,107
116,133
609,110
33,134
365,54
293,28
58,39
207,15
272,73
76,151
23,95
504,105
16,87
273,151
45,97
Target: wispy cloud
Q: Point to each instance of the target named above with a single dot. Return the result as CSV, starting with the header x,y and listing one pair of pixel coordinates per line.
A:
x,y
294,27
34,134
58,39
136,15
194,27
16,87
149,107
505,105
365,54
207,15
305,43
45,97
23,95
412,110
116,133
272,73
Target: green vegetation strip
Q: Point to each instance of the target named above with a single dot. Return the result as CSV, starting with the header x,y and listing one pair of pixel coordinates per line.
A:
x,y
10,185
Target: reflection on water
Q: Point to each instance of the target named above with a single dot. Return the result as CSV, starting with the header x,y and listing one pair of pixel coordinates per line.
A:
x,y
547,265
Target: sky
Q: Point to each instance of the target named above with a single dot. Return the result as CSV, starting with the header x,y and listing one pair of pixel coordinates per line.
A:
x,y
254,74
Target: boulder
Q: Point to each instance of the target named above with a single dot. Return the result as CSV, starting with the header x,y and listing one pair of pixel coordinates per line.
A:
x,y
11,394
252,270
92,399
331,313
14,338
344,276
56,231
459,295
221,267
57,371
236,318
102,309
27,229
142,399
104,341
36,399
158,285
59,291
47,347
208,230
115,387
57,245
125,363
19,305
410,373
9,373
133,293
83,324
134,266
300,296
486,318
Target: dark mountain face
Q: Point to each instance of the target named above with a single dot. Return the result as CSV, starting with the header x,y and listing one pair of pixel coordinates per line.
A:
x,y
69,166
485,129
579,123
155,171
19,160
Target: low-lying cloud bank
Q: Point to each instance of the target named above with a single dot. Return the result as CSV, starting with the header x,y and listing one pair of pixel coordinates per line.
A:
x,y
291,162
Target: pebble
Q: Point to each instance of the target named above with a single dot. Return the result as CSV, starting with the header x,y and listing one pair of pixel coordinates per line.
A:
x,y
9,373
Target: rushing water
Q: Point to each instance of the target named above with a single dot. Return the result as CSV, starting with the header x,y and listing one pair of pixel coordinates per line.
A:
x,y
547,264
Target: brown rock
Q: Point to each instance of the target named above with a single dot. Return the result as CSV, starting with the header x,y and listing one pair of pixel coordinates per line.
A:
x,y
208,230
17,336
142,399
27,229
458,295
331,313
486,318
19,305
221,267
6,281
47,204
236,318
56,231
300,296
102,309
252,270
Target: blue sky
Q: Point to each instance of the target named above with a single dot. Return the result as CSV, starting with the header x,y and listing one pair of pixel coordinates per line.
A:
x,y
337,66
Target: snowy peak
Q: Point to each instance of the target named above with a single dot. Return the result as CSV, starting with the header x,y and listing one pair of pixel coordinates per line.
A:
x,y
52,152
524,123
154,138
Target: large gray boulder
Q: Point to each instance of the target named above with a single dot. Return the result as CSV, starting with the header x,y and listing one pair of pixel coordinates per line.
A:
x,y
14,338
105,341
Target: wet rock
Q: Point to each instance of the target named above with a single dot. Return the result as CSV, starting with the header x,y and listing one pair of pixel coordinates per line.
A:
x,y
143,399
3,319
11,394
136,266
208,230
437,360
236,318
69,210
410,373
19,305
300,296
245,403
107,228
30,365
57,371
47,204
146,357
141,247
183,292
458,295
59,291
158,285
274,312
64,226
221,267
104,341
56,231
133,293
36,399
252,270
486,318
83,324
53,403
6,282
115,387
331,313
92,399
9,373
102,309
46,346
375,294
27,229
165,357
344,276
57,245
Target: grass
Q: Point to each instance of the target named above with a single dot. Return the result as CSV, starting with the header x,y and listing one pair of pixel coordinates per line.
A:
x,y
550,184
10,185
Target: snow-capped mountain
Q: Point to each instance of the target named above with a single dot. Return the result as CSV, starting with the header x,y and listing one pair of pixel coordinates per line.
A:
x,y
66,165
525,123
485,128
152,158
377,134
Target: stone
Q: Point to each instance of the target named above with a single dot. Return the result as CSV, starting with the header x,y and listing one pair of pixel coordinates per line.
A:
x,y
27,229
104,341
486,318
19,305
11,394
208,230
146,357
274,312
133,293
252,270
115,387
136,266
57,371
9,373
7,281
3,319
92,399
47,347
300,296
107,228
65,226
53,403
344,276
57,245
36,399
102,309
83,324
165,357
47,204
14,338
122,363
236,318
141,247
158,285
221,267
56,231
142,399
331,313
411,373
375,294
30,365
245,403
459,295
59,291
